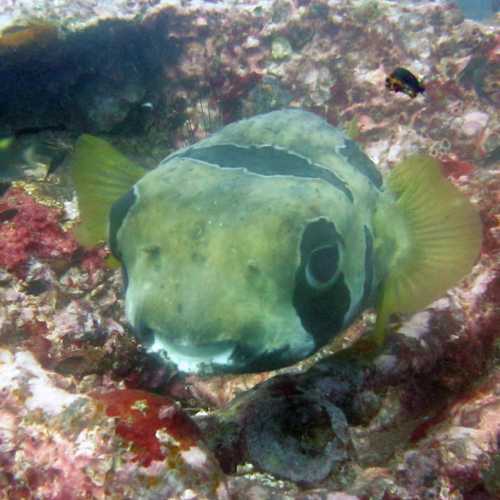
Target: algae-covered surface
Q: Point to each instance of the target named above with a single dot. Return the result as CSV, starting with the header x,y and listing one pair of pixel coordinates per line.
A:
x,y
89,408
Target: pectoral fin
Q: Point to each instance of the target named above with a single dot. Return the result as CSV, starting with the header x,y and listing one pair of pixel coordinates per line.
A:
x,y
101,175
442,230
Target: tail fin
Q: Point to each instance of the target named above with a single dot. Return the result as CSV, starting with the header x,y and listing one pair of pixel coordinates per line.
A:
x,y
443,233
101,175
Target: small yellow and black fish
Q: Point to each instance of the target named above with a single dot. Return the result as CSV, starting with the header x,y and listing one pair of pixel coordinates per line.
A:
x,y
403,80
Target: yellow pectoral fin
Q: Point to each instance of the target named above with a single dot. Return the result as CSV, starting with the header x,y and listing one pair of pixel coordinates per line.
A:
x,y
442,230
112,262
5,143
101,175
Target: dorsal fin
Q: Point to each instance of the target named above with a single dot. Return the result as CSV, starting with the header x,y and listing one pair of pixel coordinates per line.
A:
x,y
101,175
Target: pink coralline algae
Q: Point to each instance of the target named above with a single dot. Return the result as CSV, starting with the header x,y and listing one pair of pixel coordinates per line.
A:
x,y
31,229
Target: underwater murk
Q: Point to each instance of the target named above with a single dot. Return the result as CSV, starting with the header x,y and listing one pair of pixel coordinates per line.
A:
x,y
249,249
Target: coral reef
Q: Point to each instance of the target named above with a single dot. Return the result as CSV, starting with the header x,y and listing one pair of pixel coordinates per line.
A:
x,y
15,37
85,412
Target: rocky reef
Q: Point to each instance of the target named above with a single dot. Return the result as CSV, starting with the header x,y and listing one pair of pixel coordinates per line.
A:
x,y
85,412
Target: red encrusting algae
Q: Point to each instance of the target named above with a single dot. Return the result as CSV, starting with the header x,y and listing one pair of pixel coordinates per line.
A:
x,y
141,414
32,229
456,168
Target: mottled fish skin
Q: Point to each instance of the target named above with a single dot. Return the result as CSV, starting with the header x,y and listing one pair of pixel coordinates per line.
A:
x,y
222,243
322,148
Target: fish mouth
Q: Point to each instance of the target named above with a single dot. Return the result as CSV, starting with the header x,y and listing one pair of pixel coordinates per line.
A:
x,y
224,357
191,358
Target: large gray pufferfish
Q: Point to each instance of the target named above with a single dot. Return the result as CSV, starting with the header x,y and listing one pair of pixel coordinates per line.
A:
x,y
251,249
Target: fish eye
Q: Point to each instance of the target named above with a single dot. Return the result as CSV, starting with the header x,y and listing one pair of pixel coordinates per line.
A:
x,y
323,266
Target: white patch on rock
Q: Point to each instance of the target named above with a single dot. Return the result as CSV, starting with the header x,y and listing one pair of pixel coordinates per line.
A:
x,y
479,287
87,443
376,150
417,326
386,363
188,495
340,496
195,457
251,42
394,153
8,429
21,370
166,439
474,122
441,304
71,208
374,77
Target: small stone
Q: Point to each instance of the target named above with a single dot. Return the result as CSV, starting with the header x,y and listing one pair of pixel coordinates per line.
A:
x,y
474,122
251,43
281,49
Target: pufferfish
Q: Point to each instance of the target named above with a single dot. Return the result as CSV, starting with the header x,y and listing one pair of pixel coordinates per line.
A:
x,y
254,247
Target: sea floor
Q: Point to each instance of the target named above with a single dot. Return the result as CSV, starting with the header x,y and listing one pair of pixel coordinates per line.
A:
x,y
85,412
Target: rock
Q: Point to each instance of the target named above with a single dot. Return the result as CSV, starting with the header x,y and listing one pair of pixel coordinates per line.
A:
x,y
106,105
267,95
298,437
56,442
474,122
280,48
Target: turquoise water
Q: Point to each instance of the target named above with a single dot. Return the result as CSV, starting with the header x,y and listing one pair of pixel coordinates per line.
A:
x,y
478,9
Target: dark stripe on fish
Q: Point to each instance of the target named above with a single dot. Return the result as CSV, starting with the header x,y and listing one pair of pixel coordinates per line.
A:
x,y
119,210
367,287
360,162
265,160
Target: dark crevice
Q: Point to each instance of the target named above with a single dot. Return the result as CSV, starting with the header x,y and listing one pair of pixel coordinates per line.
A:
x,y
42,83
368,284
